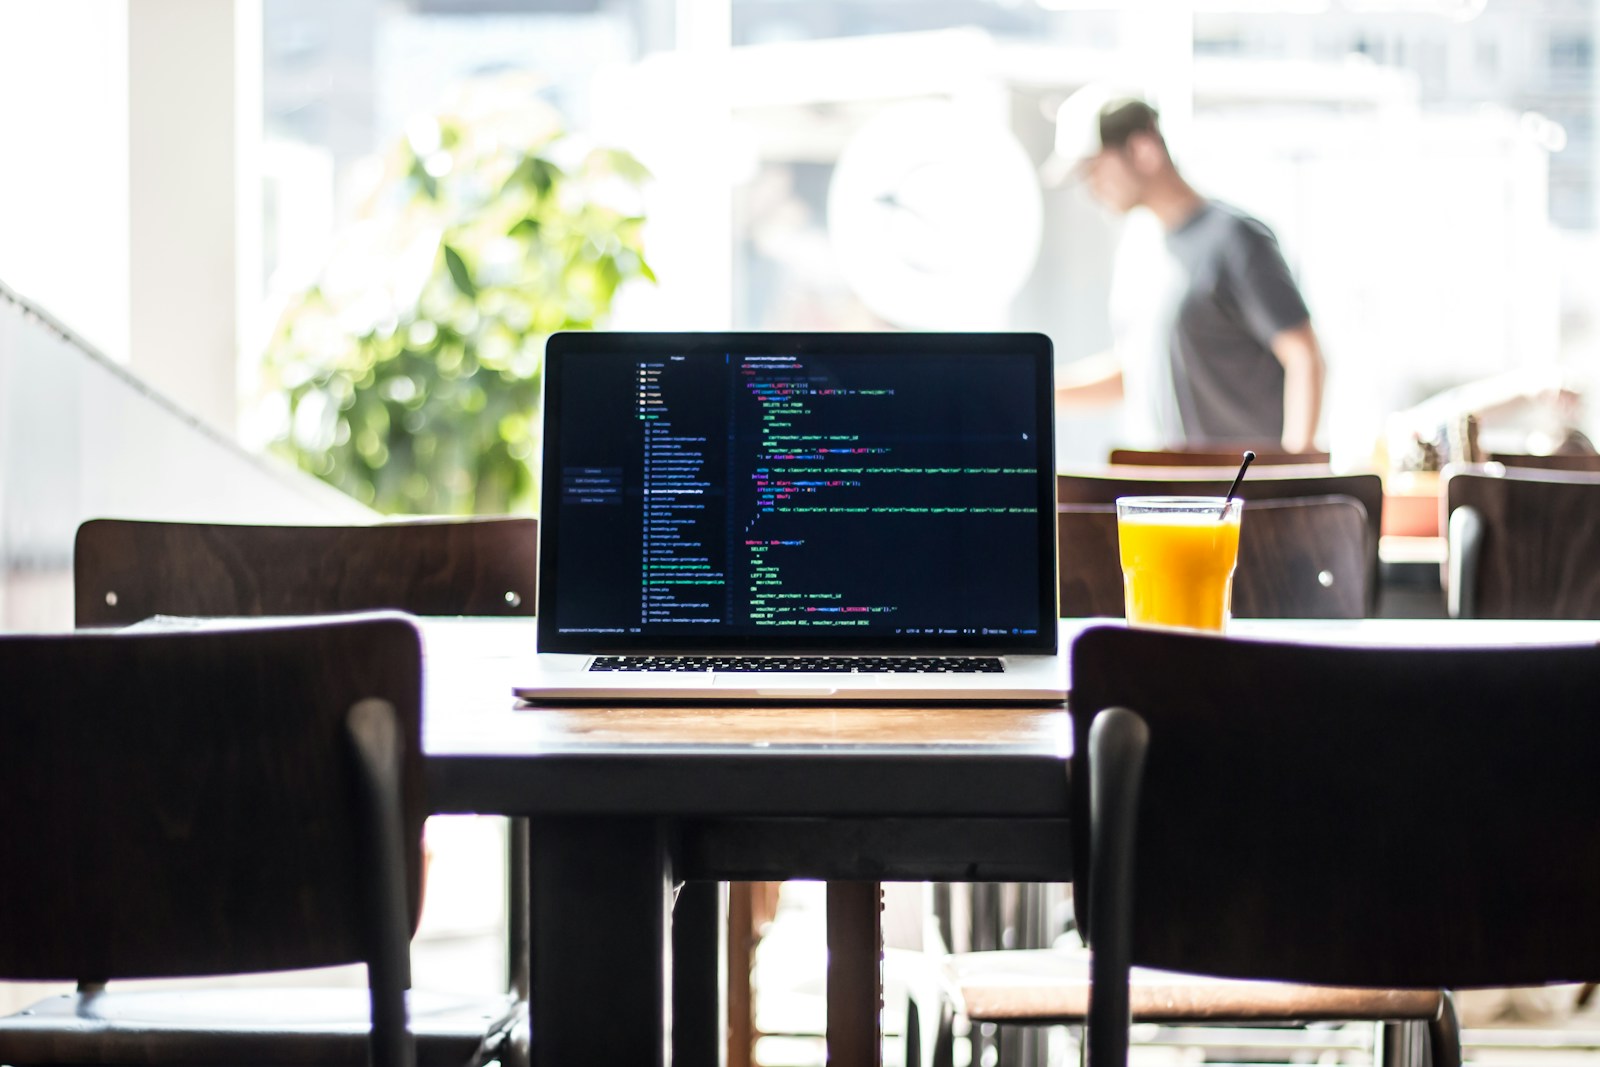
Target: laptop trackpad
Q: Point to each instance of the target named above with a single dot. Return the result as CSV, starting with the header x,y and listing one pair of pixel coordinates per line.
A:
x,y
761,682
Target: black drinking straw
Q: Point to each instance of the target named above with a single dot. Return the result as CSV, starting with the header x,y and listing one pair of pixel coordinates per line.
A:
x,y
1237,478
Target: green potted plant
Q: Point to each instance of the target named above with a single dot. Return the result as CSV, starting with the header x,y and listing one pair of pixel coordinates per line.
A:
x,y
414,385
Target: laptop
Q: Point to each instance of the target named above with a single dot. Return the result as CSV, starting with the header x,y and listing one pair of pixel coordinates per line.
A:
x,y
797,517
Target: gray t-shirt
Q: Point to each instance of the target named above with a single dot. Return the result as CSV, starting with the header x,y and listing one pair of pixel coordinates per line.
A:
x,y
1237,296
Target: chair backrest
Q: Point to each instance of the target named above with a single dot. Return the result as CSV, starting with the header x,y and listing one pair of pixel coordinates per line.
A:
x,y
1213,457
1356,816
124,570
195,803
1275,483
1523,544
1577,461
1298,558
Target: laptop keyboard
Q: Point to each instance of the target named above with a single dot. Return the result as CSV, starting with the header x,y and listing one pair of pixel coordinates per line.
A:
x,y
805,664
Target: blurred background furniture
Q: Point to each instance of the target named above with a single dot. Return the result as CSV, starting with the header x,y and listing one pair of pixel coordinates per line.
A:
x,y
1575,461
1298,558
752,906
1523,544
238,802
1272,484
1364,883
1227,1019
125,571
1268,456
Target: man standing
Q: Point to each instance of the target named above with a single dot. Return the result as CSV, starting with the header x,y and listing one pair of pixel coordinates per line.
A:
x,y
1243,358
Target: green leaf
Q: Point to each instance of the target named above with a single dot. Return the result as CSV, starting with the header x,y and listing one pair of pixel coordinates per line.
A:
x,y
514,179
425,181
629,229
459,273
543,175
622,164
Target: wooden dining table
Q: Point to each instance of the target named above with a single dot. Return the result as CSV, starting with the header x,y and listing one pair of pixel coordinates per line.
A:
x,y
635,809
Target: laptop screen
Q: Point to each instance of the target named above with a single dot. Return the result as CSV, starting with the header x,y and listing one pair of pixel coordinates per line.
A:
x,y
780,492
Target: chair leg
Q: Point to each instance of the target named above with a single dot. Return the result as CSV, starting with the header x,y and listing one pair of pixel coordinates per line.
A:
x,y
913,1052
517,979
1401,1044
930,1010
944,1043
741,960
1444,1035
375,742
1118,740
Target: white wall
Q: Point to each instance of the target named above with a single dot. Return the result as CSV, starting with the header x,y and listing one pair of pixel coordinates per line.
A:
x,y
129,197
64,147
186,229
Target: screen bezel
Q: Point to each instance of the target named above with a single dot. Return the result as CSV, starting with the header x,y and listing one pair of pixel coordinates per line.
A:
x,y
564,347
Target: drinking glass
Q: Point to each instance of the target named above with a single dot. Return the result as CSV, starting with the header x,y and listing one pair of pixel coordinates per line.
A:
x,y
1178,555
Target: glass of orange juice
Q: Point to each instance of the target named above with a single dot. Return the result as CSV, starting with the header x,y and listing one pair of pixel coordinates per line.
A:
x,y
1178,555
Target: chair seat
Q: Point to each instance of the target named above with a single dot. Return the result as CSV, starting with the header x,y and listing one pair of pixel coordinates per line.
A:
x,y
1050,986
284,1027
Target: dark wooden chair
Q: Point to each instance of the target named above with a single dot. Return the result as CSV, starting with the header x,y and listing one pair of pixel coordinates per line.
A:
x,y
1265,810
1523,544
1275,483
126,571
1101,586
1577,461
1298,558
208,803
1267,456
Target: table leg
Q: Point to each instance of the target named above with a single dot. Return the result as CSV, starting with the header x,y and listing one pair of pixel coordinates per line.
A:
x,y
601,900
699,952
855,974
517,948
517,907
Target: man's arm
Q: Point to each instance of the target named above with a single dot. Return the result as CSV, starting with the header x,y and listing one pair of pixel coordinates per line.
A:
x,y
1275,313
1091,381
1303,370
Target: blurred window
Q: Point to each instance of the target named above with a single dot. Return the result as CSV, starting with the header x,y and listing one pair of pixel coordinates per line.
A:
x,y
1428,167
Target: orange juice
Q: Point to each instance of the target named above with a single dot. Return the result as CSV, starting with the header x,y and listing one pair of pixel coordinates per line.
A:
x,y
1177,562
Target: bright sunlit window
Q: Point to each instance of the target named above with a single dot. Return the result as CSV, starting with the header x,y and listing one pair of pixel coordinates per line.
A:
x,y
1428,168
